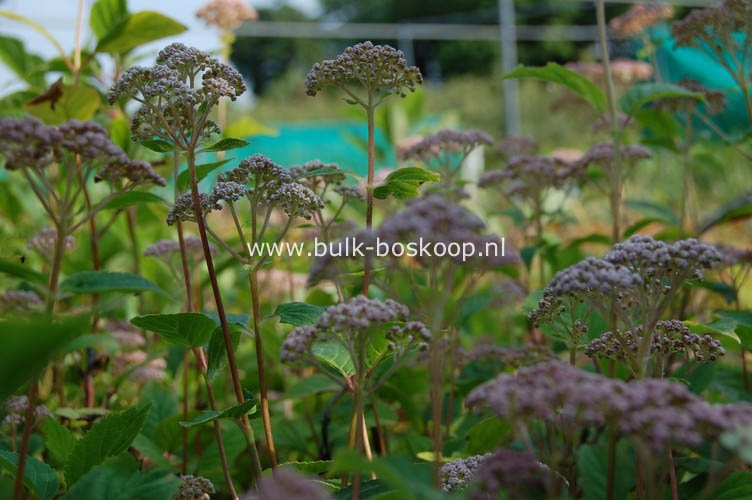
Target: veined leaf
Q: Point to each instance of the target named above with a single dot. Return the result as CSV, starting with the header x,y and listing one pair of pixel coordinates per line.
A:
x,y
76,102
119,478
312,385
108,437
226,144
298,313
217,352
158,145
39,477
58,440
138,29
234,412
28,67
641,94
335,355
404,183
190,328
22,271
575,82
130,198
105,15
184,179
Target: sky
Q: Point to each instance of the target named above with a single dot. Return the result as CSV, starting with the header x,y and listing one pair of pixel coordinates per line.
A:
x,y
59,18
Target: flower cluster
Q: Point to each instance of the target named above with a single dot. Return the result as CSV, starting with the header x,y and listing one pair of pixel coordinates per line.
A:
x,y
28,143
125,334
517,473
715,100
515,357
378,68
167,248
317,175
350,193
444,143
88,139
669,337
141,371
194,488
287,483
512,146
295,199
226,14
663,266
173,109
528,176
17,406
458,473
639,17
598,282
256,170
439,221
133,171
733,256
19,300
182,210
46,239
657,412
713,24
354,321
602,154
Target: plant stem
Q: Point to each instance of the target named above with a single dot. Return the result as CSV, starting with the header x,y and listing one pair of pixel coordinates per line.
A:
x,y
436,402
245,424
369,186
253,279
672,476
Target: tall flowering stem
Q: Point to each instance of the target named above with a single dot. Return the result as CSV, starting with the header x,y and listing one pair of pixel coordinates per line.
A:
x,y
175,110
380,70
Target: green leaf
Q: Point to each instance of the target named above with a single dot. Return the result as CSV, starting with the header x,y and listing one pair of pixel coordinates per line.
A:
x,y
119,478
184,179
158,145
714,328
217,352
641,224
310,468
738,209
335,355
641,94
234,412
592,466
28,343
404,183
226,144
58,439
555,73
245,126
147,448
325,171
138,29
737,486
28,67
106,281
725,290
654,210
298,313
39,477
105,15
313,384
99,340
120,133
22,271
487,435
190,328
77,102
108,437
131,198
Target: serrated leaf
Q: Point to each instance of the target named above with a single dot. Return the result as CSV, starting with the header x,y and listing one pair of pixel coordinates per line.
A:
x,y
138,29
404,183
76,102
234,413
158,145
22,271
575,82
58,439
190,328
641,94
106,281
298,313
592,464
226,144
737,486
487,435
131,198
119,478
147,448
39,477
184,179
108,437
105,15
714,328
217,352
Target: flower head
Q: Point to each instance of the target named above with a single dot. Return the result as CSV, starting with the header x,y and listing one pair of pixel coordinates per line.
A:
x,y
20,300
512,146
517,473
28,143
89,140
226,14
602,154
287,483
45,240
182,210
350,192
712,24
295,199
458,473
527,176
256,170
194,488
379,68
447,142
